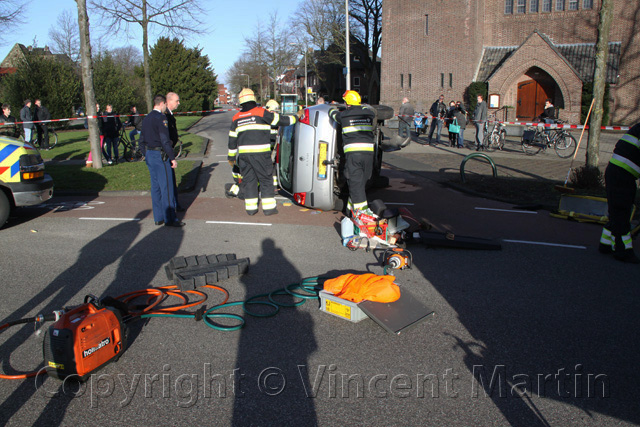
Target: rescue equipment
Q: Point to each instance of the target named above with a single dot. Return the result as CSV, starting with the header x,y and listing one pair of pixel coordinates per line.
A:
x,y
84,339
359,287
397,259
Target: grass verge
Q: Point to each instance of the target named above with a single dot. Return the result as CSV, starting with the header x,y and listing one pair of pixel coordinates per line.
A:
x,y
120,177
73,145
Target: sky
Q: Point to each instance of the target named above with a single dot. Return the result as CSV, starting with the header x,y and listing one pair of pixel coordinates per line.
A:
x,y
229,22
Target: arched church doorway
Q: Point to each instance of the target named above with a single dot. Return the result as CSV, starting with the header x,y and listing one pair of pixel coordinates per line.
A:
x,y
533,89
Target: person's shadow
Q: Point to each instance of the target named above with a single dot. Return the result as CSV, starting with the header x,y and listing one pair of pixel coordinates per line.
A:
x,y
271,369
63,291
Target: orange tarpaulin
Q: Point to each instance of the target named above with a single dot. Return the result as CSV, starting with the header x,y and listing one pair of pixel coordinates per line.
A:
x,y
359,287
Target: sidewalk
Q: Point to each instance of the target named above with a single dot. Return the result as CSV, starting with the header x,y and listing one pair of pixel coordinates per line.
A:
x,y
441,163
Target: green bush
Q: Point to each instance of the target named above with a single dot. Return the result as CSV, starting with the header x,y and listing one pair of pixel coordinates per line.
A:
x,y
587,177
587,96
472,92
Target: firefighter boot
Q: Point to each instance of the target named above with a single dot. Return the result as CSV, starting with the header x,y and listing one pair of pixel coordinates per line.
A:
x,y
624,250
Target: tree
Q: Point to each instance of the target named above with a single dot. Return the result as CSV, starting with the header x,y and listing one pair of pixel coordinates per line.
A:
x,y
271,48
599,80
11,14
114,84
87,81
55,82
321,26
64,36
176,68
368,33
175,17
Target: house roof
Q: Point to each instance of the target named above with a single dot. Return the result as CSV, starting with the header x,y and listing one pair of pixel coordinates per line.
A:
x,y
581,56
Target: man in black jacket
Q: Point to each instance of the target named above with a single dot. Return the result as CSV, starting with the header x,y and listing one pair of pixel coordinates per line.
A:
x,y
173,101
111,126
42,113
438,112
7,123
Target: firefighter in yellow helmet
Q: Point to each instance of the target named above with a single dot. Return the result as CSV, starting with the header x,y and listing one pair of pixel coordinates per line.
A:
x,y
250,149
358,143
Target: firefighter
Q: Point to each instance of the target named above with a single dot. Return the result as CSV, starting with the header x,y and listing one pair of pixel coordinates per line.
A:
x,y
250,148
620,182
274,107
358,143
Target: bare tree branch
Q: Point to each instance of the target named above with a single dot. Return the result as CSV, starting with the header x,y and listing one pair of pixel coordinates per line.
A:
x,y
64,37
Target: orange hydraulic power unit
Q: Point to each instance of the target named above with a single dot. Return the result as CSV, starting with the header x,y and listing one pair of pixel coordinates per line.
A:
x,y
83,340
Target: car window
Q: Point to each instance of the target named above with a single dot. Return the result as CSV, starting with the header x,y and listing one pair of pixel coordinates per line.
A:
x,y
286,157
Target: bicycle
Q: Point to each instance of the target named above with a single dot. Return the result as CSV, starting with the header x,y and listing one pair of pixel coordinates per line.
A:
x,y
535,139
130,150
51,135
494,140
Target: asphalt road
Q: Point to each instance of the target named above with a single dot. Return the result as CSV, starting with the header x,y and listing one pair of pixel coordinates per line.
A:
x,y
542,332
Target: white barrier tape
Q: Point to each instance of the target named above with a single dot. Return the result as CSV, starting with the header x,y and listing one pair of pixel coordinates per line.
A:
x,y
548,125
115,115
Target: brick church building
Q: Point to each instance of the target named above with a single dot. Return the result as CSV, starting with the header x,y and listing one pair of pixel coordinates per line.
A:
x,y
525,50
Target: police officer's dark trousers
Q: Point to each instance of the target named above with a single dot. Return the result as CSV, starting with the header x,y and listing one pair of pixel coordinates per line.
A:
x,y
621,193
257,168
358,169
162,197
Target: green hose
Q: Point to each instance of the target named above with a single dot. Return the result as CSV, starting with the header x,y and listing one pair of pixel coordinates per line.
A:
x,y
306,290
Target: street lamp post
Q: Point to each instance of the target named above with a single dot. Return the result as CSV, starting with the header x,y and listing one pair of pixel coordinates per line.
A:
x,y
306,86
348,59
243,74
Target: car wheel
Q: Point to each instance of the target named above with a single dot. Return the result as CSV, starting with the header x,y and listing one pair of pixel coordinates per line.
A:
x,y
5,208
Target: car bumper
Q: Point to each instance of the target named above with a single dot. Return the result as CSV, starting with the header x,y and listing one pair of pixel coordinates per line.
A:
x,y
32,193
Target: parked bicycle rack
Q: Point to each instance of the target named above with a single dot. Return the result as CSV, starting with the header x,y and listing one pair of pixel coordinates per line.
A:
x,y
474,155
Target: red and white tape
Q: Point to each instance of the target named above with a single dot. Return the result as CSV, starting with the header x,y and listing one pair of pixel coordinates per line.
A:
x,y
549,125
115,115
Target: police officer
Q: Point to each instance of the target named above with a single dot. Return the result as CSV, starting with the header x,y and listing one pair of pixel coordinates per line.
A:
x,y
620,182
160,160
358,142
173,101
250,148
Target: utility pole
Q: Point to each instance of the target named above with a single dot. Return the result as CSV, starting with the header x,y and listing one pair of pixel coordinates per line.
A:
x,y
348,60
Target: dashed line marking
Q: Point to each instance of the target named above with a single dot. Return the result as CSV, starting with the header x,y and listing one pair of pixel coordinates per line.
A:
x,y
110,219
507,210
239,223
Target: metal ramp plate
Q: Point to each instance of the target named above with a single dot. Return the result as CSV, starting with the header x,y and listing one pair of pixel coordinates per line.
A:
x,y
399,315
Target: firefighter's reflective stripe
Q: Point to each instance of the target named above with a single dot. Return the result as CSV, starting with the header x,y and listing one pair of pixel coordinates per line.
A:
x,y
607,238
268,204
275,180
245,128
233,134
363,128
358,147
9,161
276,119
631,140
360,206
626,239
251,204
254,148
232,153
236,175
625,164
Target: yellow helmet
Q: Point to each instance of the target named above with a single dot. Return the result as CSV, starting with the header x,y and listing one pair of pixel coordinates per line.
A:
x,y
272,105
246,95
351,97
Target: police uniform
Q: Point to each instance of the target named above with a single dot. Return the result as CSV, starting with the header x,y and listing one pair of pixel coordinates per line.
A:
x,y
620,182
155,140
250,148
358,142
173,136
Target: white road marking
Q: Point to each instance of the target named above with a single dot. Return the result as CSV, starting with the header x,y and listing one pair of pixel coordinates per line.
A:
x,y
507,210
238,223
111,219
526,242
